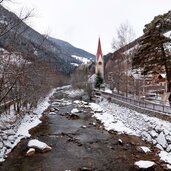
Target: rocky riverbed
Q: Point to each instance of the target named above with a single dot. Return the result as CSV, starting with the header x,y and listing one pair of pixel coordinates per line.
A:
x,y
79,142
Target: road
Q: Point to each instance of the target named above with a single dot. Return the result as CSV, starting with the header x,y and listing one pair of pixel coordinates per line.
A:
x,y
79,143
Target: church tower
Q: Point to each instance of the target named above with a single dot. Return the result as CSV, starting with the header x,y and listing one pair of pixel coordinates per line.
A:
x,y
99,60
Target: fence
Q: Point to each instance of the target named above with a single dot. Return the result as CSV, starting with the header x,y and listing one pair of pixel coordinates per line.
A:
x,y
5,106
138,103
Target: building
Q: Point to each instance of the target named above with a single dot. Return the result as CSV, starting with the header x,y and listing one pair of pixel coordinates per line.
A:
x,y
99,60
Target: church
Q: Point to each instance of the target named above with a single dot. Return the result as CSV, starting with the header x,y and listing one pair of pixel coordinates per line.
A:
x,y
99,67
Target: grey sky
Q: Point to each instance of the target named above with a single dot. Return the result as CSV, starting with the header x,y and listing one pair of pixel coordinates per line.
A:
x,y
81,22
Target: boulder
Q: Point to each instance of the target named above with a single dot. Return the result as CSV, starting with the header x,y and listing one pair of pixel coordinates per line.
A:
x,y
85,103
86,169
159,147
168,138
166,167
5,137
144,164
86,98
2,152
146,136
162,140
72,116
143,149
52,113
154,134
30,152
75,110
77,101
11,138
168,149
38,145
52,110
1,145
154,141
159,128
120,141
8,144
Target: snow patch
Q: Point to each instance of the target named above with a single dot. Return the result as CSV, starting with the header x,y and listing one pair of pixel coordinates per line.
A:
x,y
75,93
74,111
165,156
108,91
75,64
82,59
38,144
144,164
162,140
95,107
145,149
28,123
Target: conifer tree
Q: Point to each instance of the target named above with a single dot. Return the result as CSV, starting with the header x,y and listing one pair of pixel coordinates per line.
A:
x,y
153,52
99,80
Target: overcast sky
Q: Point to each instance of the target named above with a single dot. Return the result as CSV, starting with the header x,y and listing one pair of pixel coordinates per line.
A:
x,y
81,22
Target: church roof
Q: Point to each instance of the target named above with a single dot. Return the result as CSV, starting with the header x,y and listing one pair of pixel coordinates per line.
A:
x,y
99,50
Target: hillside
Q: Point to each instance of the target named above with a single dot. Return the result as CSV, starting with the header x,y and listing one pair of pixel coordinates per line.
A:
x,y
73,51
17,36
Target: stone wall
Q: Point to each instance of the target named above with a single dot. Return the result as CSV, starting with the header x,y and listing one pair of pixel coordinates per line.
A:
x,y
139,109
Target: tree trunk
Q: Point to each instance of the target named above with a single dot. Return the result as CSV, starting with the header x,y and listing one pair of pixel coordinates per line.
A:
x,y
168,71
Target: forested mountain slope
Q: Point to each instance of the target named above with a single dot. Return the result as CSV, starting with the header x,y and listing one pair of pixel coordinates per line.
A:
x,y
17,36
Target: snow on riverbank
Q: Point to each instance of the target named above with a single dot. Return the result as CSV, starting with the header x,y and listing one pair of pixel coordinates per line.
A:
x,y
124,120
11,135
34,120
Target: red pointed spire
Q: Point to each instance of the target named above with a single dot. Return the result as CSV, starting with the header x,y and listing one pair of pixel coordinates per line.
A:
x,y
99,50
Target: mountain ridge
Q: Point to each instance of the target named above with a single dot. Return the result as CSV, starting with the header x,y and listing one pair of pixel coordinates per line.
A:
x,y
19,37
72,49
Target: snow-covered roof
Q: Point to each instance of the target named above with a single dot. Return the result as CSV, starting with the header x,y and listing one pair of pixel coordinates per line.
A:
x,y
163,75
135,73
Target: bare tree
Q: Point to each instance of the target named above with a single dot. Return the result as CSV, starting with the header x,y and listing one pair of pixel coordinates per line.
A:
x,y
5,1
121,62
24,80
79,77
125,35
79,80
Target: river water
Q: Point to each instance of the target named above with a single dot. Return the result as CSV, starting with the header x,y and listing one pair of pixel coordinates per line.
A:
x,y
77,144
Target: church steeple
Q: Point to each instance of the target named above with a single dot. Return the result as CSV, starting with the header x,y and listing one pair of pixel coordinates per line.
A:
x,y
99,50
99,60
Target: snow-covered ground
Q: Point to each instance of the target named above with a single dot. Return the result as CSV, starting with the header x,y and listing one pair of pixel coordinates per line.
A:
x,y
74,93
82,59
124,120
10,135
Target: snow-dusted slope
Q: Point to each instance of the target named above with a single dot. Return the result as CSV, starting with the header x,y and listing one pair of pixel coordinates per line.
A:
x,y
79,54
82,59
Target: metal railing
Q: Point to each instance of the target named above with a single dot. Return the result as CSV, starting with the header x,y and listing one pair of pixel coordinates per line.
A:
x,y
139,103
